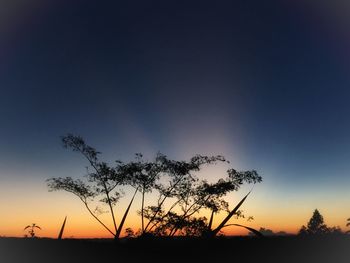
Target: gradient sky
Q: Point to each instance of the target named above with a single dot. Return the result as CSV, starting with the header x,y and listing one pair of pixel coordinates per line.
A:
x,y
265,83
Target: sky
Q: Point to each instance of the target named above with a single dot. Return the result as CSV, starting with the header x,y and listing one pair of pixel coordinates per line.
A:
x,y
265,83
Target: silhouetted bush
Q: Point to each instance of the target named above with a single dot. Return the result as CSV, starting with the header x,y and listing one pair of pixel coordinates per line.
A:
x,y
316,226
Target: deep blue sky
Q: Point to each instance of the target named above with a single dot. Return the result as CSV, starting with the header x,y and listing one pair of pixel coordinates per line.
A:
x,y
263,82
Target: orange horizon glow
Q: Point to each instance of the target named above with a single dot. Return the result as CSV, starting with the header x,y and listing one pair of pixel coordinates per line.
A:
x,y
81,225
273,205
95,231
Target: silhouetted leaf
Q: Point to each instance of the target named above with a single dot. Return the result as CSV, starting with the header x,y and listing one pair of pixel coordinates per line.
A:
x,y
228,217
62,228
254,231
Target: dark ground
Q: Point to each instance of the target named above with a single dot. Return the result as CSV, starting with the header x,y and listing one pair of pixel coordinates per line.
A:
x,y
231,249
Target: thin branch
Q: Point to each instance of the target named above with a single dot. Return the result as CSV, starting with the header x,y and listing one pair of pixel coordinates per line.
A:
x,y
88,208
104,186
142,212
162,202
166,214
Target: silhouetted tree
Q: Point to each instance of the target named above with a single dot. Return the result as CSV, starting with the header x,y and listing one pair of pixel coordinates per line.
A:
x,y
192,196
181,195
316,226
31,229
143,177
177,182
348,224
102,182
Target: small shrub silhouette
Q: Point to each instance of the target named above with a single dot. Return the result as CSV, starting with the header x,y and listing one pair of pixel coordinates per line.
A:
x,y
31,229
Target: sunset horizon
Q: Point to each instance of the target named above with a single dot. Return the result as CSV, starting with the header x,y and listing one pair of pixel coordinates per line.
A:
x,y
142,121
48,209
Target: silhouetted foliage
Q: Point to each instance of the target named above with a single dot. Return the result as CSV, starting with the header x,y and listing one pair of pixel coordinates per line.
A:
x,y
316,226
31,229
129,232
335,230
181,195
101,181
181,189
192,196
143,177
348,224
